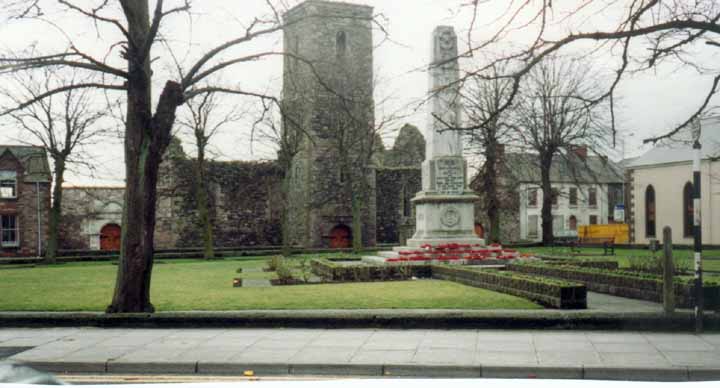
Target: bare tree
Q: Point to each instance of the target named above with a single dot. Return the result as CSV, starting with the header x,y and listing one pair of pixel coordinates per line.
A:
x,y
482,99
205,120
64,124
284,131
555,112
641,34
147,131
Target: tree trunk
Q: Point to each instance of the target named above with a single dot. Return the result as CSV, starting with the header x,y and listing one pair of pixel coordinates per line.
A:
x,y
202,203
357,237
492,202
146,138
285,221
55,211
547,220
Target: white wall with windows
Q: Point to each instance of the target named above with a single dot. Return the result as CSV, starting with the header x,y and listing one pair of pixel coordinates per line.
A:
x,y
660,199
573,205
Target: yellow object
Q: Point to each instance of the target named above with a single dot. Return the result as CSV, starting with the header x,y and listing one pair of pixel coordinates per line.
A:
x,y
249,373
619,232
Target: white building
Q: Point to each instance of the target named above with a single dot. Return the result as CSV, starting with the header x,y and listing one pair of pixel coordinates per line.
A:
x,y
587,189
660,183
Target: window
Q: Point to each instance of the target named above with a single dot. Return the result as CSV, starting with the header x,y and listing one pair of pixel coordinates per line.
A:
x,y
688,210
9,231
593,220
341,44
573,196
532,226
8,184
592,197
650,212
573,223
532,198
554,194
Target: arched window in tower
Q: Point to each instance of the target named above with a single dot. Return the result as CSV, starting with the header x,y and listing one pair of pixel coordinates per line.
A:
x,y
688,210
650,212
341,44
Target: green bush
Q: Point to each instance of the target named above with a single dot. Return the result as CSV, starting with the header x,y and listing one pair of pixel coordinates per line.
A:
x,y
655,265
274,262
284,272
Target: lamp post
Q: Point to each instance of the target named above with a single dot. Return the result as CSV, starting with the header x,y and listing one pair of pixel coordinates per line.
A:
x,y
697,227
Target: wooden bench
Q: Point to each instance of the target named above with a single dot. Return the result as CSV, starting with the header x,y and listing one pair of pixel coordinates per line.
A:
x,y
608,244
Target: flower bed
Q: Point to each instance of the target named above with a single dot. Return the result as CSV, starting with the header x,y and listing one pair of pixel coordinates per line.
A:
x,y
363,272
581,262
455,253
548,292
622,283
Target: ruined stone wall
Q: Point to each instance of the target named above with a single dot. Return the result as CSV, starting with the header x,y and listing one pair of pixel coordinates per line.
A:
x,y
245,204
396,214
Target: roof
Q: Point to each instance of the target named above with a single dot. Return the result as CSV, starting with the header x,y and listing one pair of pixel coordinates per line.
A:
x,y
565,169
33,160
682,152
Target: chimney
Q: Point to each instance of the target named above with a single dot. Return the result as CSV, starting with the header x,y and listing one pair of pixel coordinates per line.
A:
x,y
581,151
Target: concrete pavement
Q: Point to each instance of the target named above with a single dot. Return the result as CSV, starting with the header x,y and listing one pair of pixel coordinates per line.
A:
x,y
369,352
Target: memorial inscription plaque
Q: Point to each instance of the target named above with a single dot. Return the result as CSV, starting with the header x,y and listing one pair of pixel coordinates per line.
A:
x,y
449,176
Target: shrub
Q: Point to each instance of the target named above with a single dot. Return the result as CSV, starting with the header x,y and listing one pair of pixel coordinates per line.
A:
x,y
274,262
284,272
305,270
655,264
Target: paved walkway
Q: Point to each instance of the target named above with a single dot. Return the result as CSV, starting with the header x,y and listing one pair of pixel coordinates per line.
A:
x,y
367,352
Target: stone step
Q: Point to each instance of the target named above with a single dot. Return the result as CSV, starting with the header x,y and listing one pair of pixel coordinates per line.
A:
x,y
388,254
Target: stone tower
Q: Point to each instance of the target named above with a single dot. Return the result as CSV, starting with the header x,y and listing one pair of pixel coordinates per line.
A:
x,y
328,106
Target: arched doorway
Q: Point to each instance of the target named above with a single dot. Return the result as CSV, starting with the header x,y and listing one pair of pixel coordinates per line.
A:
x,y
110,237
340,237
479,230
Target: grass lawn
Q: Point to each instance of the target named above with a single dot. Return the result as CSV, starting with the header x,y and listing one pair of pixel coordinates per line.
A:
x,y
183,285
683,257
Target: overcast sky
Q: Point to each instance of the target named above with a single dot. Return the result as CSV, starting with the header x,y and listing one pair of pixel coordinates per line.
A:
x,y
651,103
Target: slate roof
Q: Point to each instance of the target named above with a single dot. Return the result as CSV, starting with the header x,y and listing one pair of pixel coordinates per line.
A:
x,y
565,169
33,160
683,152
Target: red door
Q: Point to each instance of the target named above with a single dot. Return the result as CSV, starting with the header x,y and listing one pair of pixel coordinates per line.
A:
x,y
340,237
479,231
110,237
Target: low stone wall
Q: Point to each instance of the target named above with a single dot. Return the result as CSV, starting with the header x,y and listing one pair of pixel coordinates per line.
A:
x,y
580,262
362,272
625,284
548,292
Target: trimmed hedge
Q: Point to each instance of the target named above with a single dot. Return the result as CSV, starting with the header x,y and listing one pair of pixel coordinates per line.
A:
x,y
363,272
623,283
548,292
581,262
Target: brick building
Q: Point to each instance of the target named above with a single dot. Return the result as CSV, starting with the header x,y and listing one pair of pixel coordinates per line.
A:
x,y
25,181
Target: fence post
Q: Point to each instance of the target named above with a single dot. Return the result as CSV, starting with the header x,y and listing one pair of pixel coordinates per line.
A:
x,y
668,272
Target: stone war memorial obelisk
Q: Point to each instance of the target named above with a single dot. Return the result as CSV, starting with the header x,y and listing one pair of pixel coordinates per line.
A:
x,y
444,209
